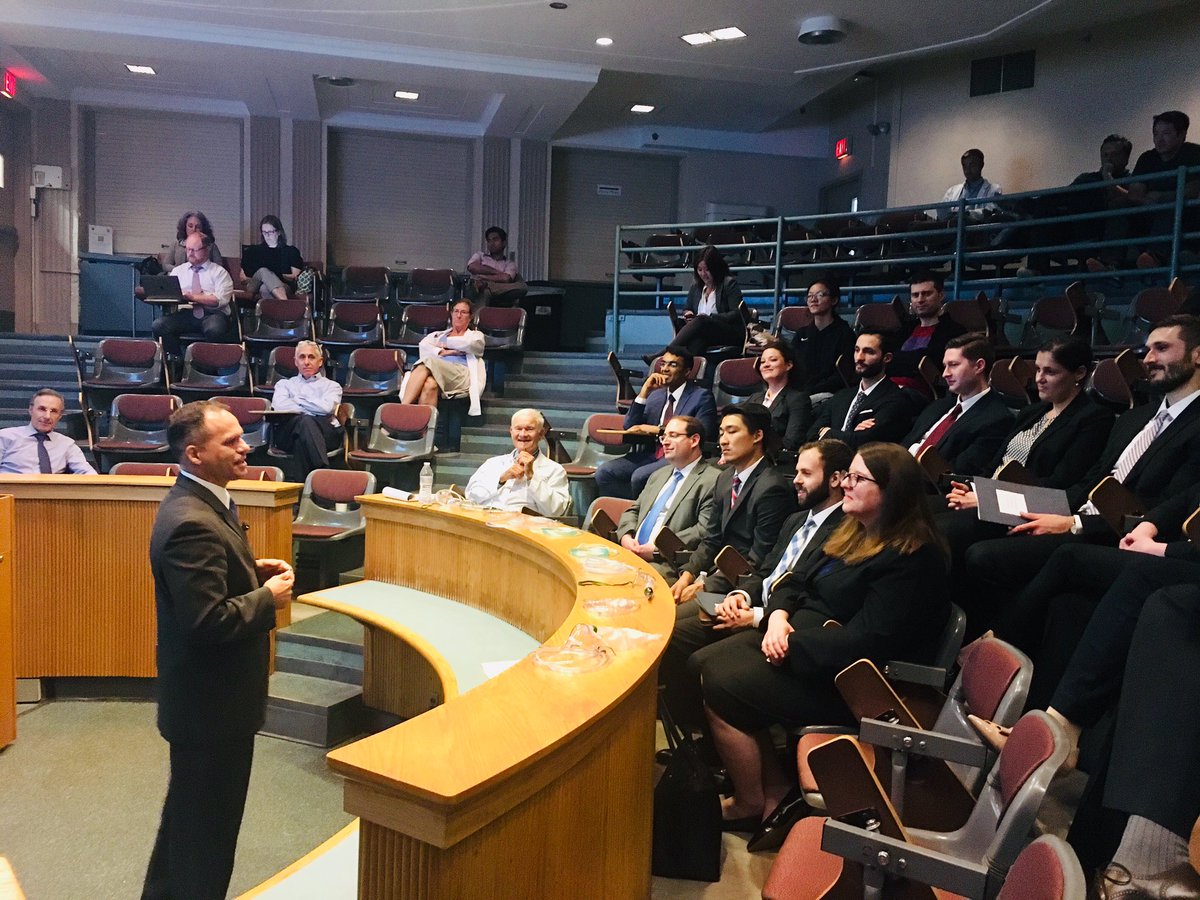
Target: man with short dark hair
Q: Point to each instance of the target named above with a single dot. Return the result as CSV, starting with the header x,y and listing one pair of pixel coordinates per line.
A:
x,y
874,409
679,496
973,186
215,607
666,393
929,335
968,425
36,448
208,287
495,280
313,431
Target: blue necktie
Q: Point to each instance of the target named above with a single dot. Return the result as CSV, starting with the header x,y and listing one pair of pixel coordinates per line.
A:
x,y
647,527
794,548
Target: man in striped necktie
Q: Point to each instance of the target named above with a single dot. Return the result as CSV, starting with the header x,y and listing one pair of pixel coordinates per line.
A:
x,y
209,288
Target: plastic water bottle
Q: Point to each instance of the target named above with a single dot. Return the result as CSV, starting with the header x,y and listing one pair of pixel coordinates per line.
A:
x,y
425,492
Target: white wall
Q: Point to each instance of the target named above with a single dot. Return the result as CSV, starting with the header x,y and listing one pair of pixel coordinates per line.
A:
x,y
786,185
1088,84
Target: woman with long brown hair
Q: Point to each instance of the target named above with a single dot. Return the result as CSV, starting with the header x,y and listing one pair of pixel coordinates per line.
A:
x,y
883,580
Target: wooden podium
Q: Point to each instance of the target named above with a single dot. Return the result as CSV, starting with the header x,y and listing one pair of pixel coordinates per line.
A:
x,y
8,678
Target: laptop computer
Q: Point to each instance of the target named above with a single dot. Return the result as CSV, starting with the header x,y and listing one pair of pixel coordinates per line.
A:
x,y
160,288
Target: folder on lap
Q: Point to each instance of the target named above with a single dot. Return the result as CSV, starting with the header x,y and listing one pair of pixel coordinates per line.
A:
x,y
1004,501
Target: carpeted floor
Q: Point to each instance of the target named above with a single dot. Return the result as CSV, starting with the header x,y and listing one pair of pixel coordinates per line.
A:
x,y
81,791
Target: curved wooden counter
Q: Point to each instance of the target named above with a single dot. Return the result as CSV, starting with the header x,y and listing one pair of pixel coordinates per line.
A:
x,y
533,783
83,600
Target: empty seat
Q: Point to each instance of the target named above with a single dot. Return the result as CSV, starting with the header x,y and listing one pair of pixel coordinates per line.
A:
x,y
137,428
329,528
352,324
429,285
144,468
120,366
416,321
401,440
213,369
264,473
251,413
373,377
504,339
736,379
361,284
276,322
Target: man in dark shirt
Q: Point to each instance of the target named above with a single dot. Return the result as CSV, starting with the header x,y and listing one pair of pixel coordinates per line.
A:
x,y
1171,150
828,337
930,334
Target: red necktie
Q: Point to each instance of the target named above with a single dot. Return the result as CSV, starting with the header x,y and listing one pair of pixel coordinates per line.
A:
x,y
935,436
668,413
737,486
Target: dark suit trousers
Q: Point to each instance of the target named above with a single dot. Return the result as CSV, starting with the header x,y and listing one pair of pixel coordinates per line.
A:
x,y
1093,679
201,817
309,438
214,328
1152,770
626,476
996,570
678,676
703,332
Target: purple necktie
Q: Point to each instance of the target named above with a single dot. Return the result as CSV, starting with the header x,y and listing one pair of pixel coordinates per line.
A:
x,y
197,309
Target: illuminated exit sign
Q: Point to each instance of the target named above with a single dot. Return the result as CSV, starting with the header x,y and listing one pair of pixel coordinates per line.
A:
x,y
10,85
841,148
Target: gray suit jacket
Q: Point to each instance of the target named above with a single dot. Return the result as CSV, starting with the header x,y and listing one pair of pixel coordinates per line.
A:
x,y
691,513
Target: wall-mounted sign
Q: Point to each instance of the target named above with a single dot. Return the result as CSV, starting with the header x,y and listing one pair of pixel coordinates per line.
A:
x,y
841,148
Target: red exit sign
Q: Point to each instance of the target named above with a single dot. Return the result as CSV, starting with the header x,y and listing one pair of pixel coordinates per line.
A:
x,y
841,148
10,85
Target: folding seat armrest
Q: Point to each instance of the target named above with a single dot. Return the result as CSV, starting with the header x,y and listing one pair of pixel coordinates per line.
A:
x,y
912,673
821,729
903,860
923,743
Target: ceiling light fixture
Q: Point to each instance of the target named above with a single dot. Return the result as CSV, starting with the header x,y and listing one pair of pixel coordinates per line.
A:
x,y
406,95
641,108
140,70
604,41
732,33
336,80
820,30
700,37
558,5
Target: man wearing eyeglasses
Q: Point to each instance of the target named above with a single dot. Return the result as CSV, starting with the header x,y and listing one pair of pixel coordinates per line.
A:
x,y
665,394
679,496
820,344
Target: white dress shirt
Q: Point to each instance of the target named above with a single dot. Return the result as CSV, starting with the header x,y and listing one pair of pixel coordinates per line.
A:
x,y
214,279
547,491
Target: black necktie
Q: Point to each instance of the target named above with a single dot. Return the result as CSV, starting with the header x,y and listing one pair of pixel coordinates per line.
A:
x,y
43,454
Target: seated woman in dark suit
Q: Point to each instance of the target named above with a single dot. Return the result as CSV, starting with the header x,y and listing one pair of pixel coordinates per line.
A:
x,y
713,314
884,581
1056,439
273,265
791,411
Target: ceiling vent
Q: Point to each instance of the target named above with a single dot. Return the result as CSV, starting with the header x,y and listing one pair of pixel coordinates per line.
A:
x,y
819,30
336,80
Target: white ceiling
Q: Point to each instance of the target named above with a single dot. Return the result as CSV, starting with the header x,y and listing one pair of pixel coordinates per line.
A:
x,y
516,68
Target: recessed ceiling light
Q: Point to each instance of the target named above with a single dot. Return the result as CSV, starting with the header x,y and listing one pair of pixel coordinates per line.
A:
x,y
700,37
406,95
732,33
140,70
558,5
604,41
641,108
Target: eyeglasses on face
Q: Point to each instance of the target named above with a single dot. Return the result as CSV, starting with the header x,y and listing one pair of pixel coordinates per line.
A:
x,y
818,295
671,364
851,479
269,231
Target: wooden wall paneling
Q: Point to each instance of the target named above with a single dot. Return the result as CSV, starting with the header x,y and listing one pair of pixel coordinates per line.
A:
x,y
8,682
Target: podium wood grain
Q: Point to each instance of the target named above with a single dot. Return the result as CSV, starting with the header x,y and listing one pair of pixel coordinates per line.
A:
x,y
8,683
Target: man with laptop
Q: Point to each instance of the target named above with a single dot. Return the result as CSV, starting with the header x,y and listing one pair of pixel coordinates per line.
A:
x,y
208,288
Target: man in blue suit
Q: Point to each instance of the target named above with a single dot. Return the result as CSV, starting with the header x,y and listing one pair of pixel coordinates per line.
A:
x,y
666,393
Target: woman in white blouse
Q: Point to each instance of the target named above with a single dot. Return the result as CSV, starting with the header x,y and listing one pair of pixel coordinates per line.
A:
x,y
714,315
451,363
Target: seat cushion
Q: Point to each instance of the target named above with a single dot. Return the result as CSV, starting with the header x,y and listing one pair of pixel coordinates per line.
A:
x,y
316,531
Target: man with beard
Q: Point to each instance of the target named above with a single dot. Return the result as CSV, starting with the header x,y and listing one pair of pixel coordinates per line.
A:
x,y
1154,451
818,486
875,410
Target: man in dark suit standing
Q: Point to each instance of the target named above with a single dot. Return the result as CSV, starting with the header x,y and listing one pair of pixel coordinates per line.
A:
x,y
664,394
216,607
817,487
679,496
875,409
968,425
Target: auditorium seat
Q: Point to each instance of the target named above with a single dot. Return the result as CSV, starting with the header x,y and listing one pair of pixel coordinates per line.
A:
x,y
281,364
278,322
351,324
264,473
137,429
431,286
1108,386
251,415
119,366
593,449
790,320
401,441
342,413
1012,387
417,320
329,528
213,369
504,340
736,380
880,316
613,508
361,284
144,468
373,376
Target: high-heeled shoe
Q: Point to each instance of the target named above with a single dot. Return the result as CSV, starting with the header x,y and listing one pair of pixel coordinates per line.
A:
x,y
774,828
996,736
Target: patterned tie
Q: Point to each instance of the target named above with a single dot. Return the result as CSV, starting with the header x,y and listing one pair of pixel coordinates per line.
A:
x,y
794,548
197,310
853,410
734,490
646,530
1140,445
935,436
44,467
668,413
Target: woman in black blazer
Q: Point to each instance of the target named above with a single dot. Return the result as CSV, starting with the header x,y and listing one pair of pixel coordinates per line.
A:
x,y
713,313
885,582
791,410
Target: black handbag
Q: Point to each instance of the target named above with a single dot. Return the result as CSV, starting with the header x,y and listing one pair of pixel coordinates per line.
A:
x,y
687,812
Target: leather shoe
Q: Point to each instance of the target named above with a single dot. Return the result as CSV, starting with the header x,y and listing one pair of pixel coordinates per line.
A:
x,y
1176,883
663,756
775,827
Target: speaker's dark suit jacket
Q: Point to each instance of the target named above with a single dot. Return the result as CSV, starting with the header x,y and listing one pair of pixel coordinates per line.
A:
x,y
750,526
1169,467
886,404
973,438
791,415
810,555
214,621
1064,452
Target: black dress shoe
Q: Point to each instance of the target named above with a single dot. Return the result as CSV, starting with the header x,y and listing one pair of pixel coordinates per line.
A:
x,y
775,827
663,756
1180,882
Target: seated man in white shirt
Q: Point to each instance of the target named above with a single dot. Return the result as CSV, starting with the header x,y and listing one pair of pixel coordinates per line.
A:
x,y
495,280
524,478
36,448
208,287
314,431
973,186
